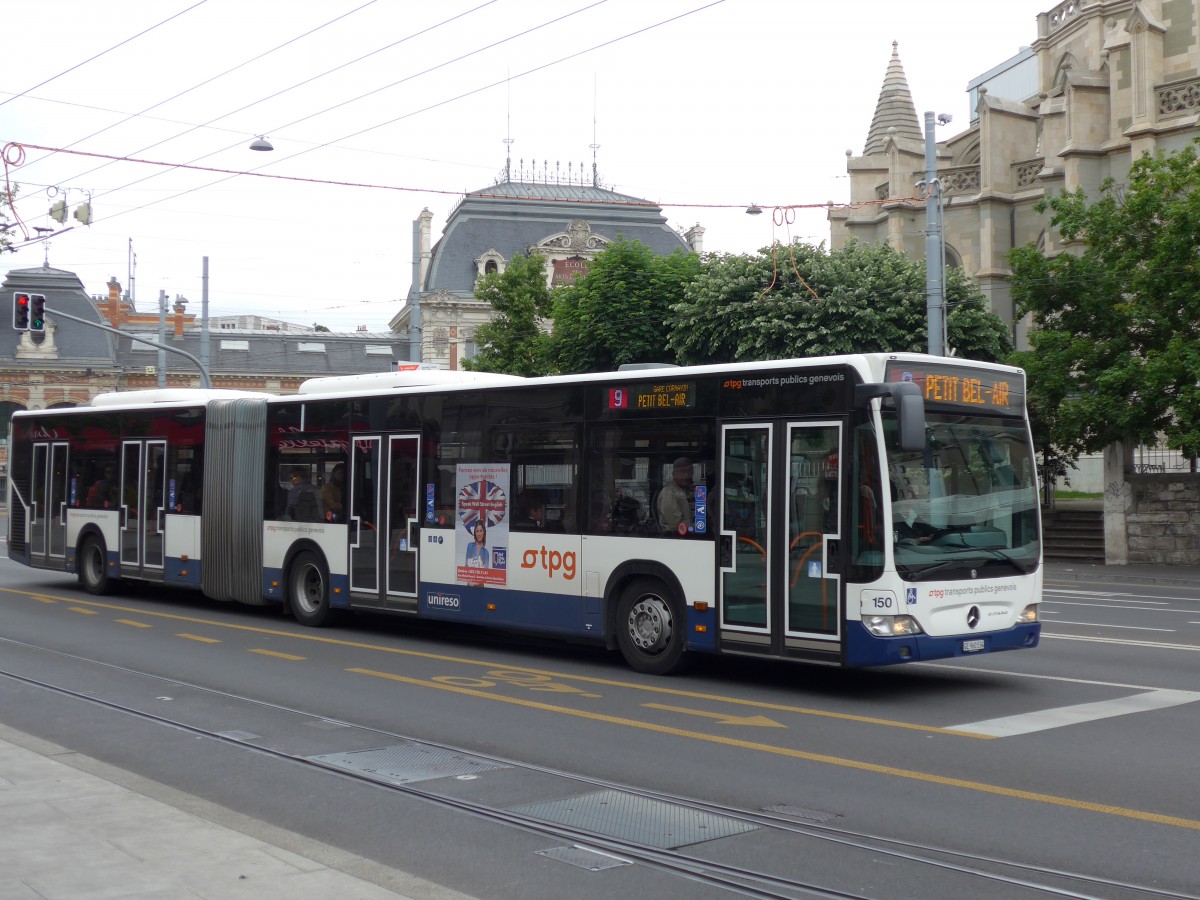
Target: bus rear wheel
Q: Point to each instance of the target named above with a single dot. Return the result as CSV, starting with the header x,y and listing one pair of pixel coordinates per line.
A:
x,y
308,590
93,567
650,627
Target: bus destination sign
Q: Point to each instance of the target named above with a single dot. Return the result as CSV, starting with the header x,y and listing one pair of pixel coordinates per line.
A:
x,y
963,386
653,397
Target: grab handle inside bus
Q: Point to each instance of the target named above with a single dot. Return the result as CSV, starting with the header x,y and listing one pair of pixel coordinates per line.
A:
x,y
910,409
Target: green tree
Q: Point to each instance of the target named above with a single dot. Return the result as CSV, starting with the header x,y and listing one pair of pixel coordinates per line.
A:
x,y
514,342
5,239
619,311
1116,341
799,300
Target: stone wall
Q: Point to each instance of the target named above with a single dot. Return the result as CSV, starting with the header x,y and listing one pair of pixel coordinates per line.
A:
x,y
1162,519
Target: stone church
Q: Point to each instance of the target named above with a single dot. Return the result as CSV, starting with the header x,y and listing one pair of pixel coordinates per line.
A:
x,y
566,217
1103,82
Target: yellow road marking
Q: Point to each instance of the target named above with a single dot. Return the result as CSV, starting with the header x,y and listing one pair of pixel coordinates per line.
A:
x,y
82,611
134,624
276,654
609,682
759,721
662,729
859,765
198,637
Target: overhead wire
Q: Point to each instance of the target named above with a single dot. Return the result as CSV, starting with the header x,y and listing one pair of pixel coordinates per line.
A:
x,y
342,104
286,90
408,115
104,52
207,81
780,210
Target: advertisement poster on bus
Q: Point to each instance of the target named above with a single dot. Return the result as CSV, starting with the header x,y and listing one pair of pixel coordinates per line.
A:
x,y
482,507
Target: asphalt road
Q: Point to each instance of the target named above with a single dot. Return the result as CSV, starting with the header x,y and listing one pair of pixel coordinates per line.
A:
x,y
1079,755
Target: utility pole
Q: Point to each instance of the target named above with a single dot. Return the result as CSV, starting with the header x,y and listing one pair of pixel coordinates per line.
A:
x,y
935,307
204,317
162,338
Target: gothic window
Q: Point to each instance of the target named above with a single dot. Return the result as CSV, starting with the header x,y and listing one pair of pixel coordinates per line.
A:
x,y
1065,65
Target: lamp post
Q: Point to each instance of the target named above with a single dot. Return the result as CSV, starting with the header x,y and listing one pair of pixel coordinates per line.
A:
x,y
935,293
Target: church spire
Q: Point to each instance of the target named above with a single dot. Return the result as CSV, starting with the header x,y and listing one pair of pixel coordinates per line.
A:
x,y
894,110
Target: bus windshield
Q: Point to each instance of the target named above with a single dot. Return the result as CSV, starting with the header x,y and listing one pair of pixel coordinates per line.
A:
x,y
967,502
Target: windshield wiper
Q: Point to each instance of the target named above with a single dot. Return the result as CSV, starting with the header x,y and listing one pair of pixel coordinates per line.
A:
x,y
915,574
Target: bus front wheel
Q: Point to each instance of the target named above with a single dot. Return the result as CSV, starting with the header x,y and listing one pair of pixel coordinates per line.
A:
x,y
308,590
93,567
650,627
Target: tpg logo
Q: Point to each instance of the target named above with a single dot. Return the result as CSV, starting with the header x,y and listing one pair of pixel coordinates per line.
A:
x,y
551,560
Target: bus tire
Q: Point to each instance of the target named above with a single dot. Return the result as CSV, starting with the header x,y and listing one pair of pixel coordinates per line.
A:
x,y
650,627
93,566
308,590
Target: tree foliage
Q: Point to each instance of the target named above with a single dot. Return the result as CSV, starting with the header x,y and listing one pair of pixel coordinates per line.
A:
x,y
799,300
5,240
619,311
514,342
1116,346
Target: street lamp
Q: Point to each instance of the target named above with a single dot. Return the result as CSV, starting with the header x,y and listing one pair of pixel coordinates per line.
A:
x,y
261,143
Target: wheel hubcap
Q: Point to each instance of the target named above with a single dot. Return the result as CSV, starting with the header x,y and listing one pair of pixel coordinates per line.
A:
x,y
310,589
650,624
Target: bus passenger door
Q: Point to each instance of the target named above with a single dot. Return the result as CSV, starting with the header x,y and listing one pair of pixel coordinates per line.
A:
x,y
746,546
404,454
780,490
48,505
143,506
383,510
813,512
365,486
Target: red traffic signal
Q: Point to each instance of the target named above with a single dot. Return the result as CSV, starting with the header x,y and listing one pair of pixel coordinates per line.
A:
x,y
21,311
37,312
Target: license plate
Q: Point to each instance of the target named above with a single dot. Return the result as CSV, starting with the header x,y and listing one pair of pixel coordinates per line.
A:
x,y
972,646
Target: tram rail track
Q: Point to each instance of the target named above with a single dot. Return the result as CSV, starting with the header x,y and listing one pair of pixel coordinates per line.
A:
x,y
1002,875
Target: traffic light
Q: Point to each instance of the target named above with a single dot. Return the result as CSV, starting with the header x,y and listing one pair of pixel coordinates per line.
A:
x,y
21,311
37,312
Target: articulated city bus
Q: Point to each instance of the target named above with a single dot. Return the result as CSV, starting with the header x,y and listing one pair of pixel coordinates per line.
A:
x,y
854,510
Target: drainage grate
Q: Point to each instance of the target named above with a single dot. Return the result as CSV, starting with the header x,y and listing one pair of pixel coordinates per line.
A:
x,y
651,823
405,763
592,860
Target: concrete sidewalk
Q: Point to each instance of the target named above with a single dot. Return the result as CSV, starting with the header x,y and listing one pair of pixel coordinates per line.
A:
x,y
1175,576
73,828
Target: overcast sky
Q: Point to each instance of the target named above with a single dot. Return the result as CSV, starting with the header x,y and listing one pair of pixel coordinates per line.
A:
x,y
704,107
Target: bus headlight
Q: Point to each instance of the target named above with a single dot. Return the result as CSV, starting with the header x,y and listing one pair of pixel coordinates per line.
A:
x,y
1028,615
891,626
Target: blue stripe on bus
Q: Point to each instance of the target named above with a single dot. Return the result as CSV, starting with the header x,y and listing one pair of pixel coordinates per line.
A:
x,y
706,640
865,649
561,614
274,588
182,571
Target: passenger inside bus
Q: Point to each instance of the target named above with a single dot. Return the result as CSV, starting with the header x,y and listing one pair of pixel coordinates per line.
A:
x,y
103,493
674,503
303,503
532,513
331,494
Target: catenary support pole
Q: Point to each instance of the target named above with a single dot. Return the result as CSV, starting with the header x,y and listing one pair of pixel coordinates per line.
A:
x,y
934,306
